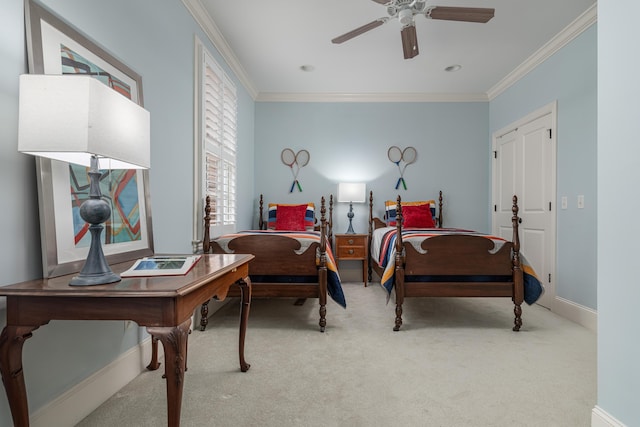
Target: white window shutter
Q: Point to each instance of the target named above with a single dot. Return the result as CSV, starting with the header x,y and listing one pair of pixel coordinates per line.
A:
x,y
219,145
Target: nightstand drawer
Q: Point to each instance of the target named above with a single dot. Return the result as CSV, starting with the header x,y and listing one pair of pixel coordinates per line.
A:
x,y
349,240
351,252
351,246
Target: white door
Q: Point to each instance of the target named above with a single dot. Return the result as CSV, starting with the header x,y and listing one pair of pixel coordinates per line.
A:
x,y
524,165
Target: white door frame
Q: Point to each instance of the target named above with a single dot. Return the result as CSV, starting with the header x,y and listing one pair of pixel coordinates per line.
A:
x,y
551,108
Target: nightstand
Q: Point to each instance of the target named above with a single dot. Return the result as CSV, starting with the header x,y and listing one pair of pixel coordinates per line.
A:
x,y
353,247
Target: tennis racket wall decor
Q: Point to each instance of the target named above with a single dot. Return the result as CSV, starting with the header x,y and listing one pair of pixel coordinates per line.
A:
x,y
408,156
295,161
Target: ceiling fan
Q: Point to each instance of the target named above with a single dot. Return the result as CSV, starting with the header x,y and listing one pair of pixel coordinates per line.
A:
x,y
405,10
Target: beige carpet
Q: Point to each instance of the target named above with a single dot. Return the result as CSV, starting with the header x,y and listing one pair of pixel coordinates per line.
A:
x,y
456,362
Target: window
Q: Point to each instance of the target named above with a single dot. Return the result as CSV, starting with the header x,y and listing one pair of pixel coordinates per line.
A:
x,y
216,144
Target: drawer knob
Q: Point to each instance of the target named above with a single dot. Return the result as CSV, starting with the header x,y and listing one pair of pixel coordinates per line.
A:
x,y
351,241
350,251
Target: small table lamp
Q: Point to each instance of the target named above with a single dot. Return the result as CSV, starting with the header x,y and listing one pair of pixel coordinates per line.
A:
x,y
351,192
78,119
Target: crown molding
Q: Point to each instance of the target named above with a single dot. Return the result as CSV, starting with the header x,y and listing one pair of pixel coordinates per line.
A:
x,y
573,30
202,17
372,97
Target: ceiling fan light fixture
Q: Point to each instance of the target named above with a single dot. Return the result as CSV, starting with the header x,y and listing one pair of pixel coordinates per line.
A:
x,y
405,17
419,6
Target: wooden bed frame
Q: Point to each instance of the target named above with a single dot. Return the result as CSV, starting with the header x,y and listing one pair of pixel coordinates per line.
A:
x,y
275,255
454,256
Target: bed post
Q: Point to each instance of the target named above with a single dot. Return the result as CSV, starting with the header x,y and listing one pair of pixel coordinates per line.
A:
x,y
440,210
206,239
206,247
330,222
322,267
370,236
399,276
323,230
261,225
518,286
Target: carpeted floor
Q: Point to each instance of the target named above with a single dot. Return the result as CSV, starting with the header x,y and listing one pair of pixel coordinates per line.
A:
x,y
456,362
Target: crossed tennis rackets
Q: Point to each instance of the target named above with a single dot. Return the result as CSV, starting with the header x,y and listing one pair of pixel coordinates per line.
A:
x,y
299,159
408,155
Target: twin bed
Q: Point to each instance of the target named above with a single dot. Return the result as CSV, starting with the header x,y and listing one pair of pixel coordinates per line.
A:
x,y
293,257
411,252
418,261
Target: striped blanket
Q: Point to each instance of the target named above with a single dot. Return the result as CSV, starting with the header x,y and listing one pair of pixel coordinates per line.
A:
x,y
306,238
385,256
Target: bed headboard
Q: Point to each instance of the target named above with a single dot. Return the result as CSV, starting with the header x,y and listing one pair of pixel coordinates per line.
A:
x,y
325,227
262,224
375,222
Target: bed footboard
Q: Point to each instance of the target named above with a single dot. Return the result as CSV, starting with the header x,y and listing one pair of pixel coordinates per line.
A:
x,y
274,255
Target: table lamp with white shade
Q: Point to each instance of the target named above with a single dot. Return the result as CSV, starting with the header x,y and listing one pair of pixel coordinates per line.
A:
x,y
352,193
78,119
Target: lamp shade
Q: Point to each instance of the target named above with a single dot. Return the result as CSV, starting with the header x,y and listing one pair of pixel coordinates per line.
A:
x,y
351,192
72,117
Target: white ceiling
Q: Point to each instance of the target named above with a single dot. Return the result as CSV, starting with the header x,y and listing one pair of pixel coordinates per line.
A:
x,y
267,41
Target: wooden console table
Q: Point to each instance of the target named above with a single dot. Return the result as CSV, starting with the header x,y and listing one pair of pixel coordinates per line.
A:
x,y
164,304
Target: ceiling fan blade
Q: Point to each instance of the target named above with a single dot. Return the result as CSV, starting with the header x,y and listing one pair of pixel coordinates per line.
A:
x,y
409,42
466,14
353,33
381,1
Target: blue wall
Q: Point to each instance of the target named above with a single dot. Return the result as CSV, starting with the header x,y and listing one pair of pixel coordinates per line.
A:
x,y
349,141
156,39
618,201
570,77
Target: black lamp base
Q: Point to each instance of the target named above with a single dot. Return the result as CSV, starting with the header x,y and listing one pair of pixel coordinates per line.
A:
x,y
96,271
350,216
95,211
97,279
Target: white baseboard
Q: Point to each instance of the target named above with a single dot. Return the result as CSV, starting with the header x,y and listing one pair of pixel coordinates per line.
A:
x,y
600,418
74,405
580,314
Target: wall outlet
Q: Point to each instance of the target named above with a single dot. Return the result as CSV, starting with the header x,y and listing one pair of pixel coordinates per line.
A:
x,y
580,201
564,202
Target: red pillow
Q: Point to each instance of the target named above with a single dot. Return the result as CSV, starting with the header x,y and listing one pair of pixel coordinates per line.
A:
x,y
290,217
417,216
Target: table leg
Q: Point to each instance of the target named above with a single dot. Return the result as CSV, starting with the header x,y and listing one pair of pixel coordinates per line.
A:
x,y
245,291
204,315
174,342
11,341
154,364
